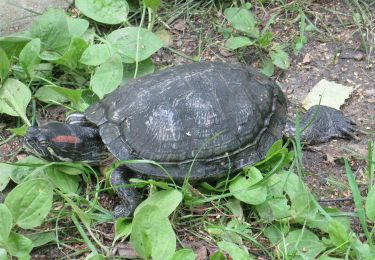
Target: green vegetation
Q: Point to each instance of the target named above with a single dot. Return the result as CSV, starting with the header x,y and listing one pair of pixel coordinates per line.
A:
x,y
265,210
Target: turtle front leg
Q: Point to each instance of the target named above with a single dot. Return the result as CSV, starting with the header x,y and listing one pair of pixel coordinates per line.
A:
x,y
322,123
78,118
130,197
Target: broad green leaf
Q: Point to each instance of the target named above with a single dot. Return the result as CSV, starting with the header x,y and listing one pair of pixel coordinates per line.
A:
x,y
242,20
3,254
95,256
274,209
134,43
65,182
184,254
165,200
303,243
52,29
152,235
20,174
238,42
40,239
123,228
153,4
4,65
370,204
6,221
13,44
50,93
265,40
47,94
96,54
19,245
29,56
241,187
108,76
273,234
5,171
267,67
72,56
218,256
104,11
14,98
234,251
280,58
30,202
77,26
338,233
144,68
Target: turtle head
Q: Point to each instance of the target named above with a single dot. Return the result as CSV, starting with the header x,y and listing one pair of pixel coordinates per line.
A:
x,y
64,142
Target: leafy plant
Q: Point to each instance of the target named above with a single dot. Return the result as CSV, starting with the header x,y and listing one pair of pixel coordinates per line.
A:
x,y
246,34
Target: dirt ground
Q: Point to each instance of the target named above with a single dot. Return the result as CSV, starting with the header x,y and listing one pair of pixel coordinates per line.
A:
x,y
318,60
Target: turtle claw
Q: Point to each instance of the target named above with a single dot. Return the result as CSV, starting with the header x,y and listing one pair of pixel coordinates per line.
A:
x,y
327,123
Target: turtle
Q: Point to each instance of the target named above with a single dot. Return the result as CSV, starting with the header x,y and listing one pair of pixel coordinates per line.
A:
x,y
198,120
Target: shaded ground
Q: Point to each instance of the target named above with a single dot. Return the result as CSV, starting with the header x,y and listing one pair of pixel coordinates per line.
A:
x,y
319,59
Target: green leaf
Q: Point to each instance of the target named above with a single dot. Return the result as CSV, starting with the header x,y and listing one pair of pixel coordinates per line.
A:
x,y
108,76
14,98
165,200
96,54
241,189
267,67
338,233
3,254
370,204
243,20
265,40
77,26
152,234
64,182
72,56
51,94
145,67
273,234
123,228
40,239
12,45
52,29
153,4
302,242
280,58
238,42
234,251
4,65
104,11
274,209
19,245
30,202
5,171
6,221
184,254
20,174
29,56
128,44
218,256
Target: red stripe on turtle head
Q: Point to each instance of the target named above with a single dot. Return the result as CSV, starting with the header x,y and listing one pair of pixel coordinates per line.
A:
x,y
66,139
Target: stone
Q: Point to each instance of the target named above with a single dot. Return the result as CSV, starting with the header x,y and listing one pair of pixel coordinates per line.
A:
x,y
17,15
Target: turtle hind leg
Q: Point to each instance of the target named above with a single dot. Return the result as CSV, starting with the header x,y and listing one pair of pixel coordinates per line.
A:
x,y
130,197
322,123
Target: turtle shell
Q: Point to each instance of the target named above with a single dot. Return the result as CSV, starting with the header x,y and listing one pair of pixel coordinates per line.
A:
x,y
202,120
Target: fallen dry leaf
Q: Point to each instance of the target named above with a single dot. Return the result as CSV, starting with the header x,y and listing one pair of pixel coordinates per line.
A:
x,y
328,93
